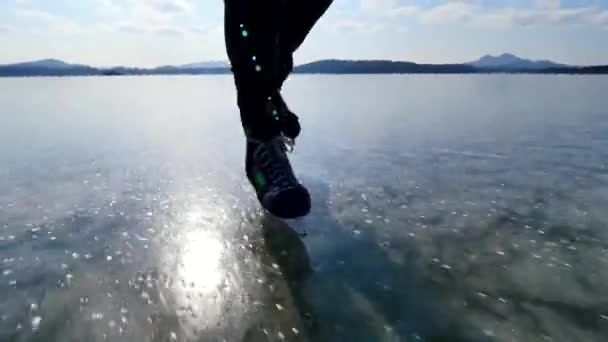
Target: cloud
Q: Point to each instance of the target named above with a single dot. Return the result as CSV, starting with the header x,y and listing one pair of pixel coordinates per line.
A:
x,y
167,30
601,19
108,7
475,13
402,29
4,28
217,30
354,25
51,21
553,17
571,16
376,6
39,15
170,31
448,13
128,28
479,13
163,17
149,13
170,6
548,4
403,11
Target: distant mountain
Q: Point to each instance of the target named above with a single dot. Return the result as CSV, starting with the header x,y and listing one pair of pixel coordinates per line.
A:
x,y
47,64
54,67
47,67
205,65
508,61
487,64
198,66
333,66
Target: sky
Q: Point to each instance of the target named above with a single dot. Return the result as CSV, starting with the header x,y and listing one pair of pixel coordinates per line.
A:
x,y
159,32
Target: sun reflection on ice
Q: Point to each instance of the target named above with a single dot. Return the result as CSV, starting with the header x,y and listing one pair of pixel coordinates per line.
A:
x,y
200,261
199,286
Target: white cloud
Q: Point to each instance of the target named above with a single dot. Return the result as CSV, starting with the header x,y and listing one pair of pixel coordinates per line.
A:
x,y
217,30
558,16
106,3
402,29
170,6
447,13
361,26
52,21
108,7
164,17
547,13
571,16
601,19
170,31
146,13
478,13
403,11
377,6
36,14
549,4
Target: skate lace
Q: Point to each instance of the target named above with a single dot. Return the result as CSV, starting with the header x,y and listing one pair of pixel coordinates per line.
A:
x,y
271,157
289,143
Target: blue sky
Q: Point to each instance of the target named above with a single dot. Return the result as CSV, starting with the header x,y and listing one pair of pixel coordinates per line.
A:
x,y
156,32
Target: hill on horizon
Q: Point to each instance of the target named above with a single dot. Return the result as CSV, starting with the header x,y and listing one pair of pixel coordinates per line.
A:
x,y
510,61
506,62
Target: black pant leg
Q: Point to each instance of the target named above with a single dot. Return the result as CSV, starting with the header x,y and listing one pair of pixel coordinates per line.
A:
x,y
251,30
298,19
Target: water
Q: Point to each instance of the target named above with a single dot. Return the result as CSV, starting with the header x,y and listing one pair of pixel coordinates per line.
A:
x,y
446,208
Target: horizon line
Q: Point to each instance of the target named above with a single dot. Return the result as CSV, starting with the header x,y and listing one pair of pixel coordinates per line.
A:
x,y
311,61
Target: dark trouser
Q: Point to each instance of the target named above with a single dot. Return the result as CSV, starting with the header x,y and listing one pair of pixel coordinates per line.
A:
x,y
261,37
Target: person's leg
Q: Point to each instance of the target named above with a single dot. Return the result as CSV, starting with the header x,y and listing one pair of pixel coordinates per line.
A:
x,y
251,33
298,19
252,41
